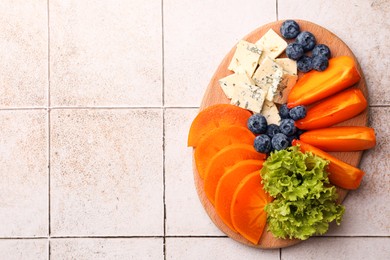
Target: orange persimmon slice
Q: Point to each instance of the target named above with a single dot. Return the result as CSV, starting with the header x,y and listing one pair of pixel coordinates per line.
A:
x,y
247,208
216,116
222,161
217,139
228,184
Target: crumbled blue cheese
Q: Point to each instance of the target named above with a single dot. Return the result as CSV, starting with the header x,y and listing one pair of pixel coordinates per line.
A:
x,y
246,58
249,97
270,112
271,44
229,83
288,65
268,76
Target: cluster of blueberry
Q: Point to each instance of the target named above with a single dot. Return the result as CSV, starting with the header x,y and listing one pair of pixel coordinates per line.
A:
x,y
273,137
304,42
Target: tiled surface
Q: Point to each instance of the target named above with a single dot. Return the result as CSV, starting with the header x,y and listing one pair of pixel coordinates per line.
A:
x,y
105,54
106,172
23,173
95,104
24,53
214,248
98,248
32,249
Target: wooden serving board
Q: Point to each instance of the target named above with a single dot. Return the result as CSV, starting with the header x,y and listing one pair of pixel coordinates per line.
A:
x,y
215,95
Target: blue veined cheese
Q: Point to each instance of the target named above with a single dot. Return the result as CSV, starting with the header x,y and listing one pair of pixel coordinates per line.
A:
x,y
270,112
271,44
286,84
268,76
229,83
246,58
249,97
288,65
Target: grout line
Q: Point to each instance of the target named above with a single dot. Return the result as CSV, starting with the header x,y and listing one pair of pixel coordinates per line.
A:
x,y
48,115
163,126
277,10
280,253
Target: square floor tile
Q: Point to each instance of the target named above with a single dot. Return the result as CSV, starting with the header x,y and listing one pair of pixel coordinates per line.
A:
x,y
23,173
106,172
105,54
24,53
346,248
118,248
185,214
19,249
197,36
362,25
215,248
367,208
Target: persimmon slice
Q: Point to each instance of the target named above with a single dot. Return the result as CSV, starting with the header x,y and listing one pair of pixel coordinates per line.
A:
x,y
247,208
217,139
228,184
213,117
222,161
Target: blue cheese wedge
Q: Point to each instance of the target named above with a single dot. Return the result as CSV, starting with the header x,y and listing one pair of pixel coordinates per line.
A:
x,y
246,58
271,44
229,83
268,76
270,112
249,97
288,65
286,84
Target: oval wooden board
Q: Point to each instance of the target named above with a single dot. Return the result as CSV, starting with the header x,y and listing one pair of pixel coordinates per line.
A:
x,y
215,95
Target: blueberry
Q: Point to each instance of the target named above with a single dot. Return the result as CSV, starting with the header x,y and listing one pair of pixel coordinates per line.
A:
x,y
294,51
289,29
262,144
307,40
320,63
297,112
284,111
321,49
280,142
304,64
299,132
287,127
291,138
257,124
272,130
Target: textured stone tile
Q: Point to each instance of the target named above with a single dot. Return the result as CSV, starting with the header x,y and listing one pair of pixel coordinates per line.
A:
x,y
23,173
214,248
24,53
118,248
348,248
105,54
106,172
185,214
197,36
367,210
18,249
363,25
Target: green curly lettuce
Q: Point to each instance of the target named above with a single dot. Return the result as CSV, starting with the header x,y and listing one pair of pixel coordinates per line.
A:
x,y
305,202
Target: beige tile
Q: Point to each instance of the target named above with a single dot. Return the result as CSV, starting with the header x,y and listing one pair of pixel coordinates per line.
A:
x,y
129,248
214,248
105,54
367,210
23,173
184,212
24,53
197,36
19,249
363,25
346,248
106,172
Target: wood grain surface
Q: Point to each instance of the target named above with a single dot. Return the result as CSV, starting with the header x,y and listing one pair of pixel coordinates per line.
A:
x,y
215,95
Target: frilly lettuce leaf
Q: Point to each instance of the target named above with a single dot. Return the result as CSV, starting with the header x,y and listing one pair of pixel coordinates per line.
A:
x,y
304,202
